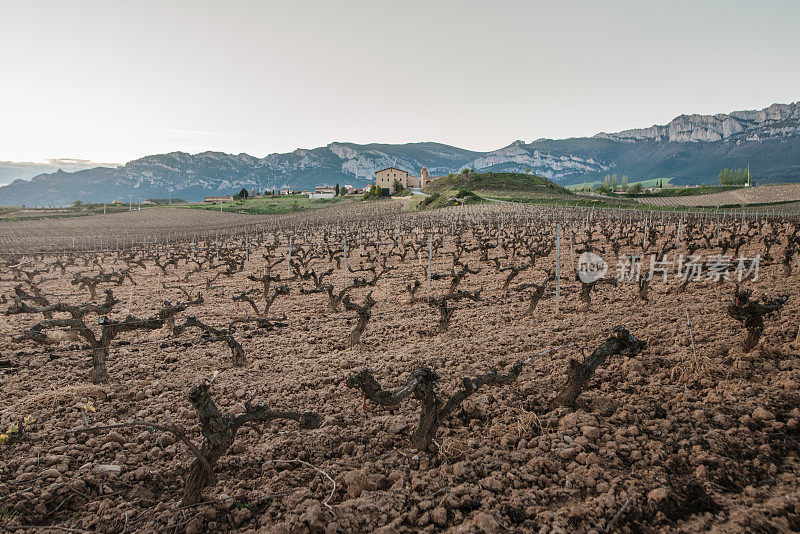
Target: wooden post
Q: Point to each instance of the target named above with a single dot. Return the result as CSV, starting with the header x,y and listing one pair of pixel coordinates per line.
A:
x,y
558,264
289,258
344,242
644,240
430,260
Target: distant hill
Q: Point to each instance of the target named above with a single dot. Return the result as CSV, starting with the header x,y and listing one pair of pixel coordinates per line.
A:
x,y
499,182
691,149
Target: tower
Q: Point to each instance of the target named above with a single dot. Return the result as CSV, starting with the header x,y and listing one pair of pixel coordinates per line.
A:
x,y
423,177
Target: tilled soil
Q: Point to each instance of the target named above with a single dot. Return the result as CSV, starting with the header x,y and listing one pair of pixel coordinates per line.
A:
x,y
671,440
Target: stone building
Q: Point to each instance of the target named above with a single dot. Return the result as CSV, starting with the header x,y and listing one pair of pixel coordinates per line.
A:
x,y
385,179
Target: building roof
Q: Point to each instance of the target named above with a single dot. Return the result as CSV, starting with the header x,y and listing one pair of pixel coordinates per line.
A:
x,y
392,169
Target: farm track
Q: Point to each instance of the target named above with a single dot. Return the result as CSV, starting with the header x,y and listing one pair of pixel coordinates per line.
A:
x,y
692,434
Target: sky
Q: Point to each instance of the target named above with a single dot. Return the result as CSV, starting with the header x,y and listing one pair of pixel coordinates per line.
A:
x,y
111,81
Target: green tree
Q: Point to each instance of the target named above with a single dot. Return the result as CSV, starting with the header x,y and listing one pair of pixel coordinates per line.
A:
x,y
614,181
241,195
397,187
607,182
374,192
636,188
336,190
624,182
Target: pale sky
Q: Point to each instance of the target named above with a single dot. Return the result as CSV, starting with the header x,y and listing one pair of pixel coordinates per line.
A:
x,y
115,80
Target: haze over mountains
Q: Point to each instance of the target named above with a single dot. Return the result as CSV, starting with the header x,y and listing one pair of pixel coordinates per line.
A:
x,y
691,149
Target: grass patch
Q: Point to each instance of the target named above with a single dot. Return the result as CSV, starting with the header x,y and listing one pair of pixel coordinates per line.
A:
x,y
688,191
271,205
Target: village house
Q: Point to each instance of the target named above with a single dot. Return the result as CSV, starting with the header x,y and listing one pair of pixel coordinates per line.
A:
x,y
218,199
322,191
385,179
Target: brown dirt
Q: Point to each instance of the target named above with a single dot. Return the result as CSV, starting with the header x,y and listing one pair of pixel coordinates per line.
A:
x,y
676,443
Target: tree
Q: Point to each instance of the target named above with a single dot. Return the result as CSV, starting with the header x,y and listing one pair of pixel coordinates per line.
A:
x,y
336,190
636,188
241,194
397,187
607,182
614,180
374,192
624,182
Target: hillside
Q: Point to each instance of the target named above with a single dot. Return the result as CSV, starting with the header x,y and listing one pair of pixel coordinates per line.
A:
x,y
691,149
499,183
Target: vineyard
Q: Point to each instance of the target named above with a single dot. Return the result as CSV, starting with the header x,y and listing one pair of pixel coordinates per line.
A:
x,y
359,369
767,194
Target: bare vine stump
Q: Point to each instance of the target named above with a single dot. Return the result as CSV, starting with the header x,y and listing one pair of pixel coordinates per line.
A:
x,y
445,312
536,295
221,334
364,312
751,314
620,342
109,329
422,384
587,288
644,286
219,433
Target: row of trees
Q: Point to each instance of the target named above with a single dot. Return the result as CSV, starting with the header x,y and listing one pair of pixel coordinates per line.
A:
x,y
611,181
734,177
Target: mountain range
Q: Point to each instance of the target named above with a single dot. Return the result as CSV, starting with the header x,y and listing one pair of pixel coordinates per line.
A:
x,y
690,149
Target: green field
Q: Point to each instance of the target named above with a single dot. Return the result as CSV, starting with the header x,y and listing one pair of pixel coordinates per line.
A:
x,y
653,182
691,191
271,205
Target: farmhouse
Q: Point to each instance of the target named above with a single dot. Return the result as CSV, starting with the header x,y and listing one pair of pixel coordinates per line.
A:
x,y
218,199
322,191
385,179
